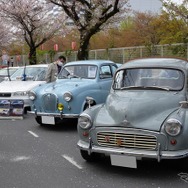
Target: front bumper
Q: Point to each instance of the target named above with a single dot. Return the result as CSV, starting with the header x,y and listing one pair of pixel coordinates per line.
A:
x,y
61,115
159,154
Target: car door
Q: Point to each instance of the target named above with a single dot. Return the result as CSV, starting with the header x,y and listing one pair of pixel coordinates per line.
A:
x,y
106,73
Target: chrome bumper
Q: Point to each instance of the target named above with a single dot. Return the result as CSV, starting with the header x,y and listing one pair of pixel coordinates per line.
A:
x,y
159,155
60,115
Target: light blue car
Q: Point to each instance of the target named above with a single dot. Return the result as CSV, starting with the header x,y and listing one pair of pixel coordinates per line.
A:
x,y
66,97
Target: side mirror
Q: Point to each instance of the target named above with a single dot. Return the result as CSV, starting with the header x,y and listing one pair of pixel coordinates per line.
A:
x,y
183,104
89,101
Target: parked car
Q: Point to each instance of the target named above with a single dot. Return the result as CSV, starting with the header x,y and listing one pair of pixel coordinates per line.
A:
x,y
145,114
65,98
21,82
6,72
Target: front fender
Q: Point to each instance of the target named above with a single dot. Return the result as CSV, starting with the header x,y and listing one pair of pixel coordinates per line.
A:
x,y
181,140
92,112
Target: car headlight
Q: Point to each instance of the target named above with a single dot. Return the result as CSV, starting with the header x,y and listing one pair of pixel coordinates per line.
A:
x,y
32,95
60,107
20,93
84,121
67,96
173,127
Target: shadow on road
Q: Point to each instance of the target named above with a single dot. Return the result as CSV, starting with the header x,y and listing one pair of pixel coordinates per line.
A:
x,y
150,169
67,125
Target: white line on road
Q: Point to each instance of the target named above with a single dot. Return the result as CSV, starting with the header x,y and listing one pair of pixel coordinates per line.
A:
x,y
35,135
72,161
20,158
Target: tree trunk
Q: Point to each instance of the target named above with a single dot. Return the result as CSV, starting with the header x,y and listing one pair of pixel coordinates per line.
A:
x,y
32,56
83,52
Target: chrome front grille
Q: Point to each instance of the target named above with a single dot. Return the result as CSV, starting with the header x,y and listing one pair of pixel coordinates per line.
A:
x,y
49,102
137,141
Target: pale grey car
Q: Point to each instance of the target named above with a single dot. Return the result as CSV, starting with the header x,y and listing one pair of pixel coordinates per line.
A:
x,y
145,114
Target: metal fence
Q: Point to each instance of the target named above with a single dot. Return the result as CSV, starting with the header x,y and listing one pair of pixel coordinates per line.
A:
x,y
118,55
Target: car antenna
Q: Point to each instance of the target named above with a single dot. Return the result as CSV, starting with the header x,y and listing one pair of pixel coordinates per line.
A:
x,y
8,72
24,75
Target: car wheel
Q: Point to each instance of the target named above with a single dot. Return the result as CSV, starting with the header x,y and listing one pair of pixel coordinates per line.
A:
x,y
87,157
38,120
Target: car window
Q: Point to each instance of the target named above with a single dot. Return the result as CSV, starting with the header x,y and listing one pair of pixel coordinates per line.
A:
x,y
114,68
32,73
170,79
4,71
105,72
78,71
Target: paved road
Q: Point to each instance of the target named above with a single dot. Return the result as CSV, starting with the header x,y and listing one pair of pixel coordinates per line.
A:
x,y
32,156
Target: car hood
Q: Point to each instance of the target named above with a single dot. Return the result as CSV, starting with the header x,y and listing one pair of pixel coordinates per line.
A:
x,y
142,110
66,84
12,86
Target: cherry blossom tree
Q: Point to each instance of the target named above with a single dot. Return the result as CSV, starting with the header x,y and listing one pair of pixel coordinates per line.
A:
x,y
4,35
179,12
31,21
90,16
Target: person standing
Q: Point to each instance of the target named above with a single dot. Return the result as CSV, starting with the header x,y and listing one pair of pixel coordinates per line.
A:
x,y
54,69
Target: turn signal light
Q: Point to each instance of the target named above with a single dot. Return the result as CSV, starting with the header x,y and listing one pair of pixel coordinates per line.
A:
x,y
85,133
173,142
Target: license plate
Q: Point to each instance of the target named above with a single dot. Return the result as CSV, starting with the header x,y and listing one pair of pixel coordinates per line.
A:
x,y
48,120
123,161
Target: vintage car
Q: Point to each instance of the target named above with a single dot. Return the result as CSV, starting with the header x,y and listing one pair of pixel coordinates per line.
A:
x,y
65,98
21,82
145,115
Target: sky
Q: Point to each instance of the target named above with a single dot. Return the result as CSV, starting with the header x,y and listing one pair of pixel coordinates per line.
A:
x,y
177,1
148,5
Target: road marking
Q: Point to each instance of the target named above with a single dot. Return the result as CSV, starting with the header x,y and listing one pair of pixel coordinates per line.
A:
x,y
72,161
20,158
183,176
35,135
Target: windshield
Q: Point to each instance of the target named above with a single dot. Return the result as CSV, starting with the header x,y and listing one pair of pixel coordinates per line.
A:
x,y
78,71
167,79
4,71
32,73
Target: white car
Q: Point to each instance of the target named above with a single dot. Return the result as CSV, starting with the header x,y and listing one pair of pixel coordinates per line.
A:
x,y
21,82
7,72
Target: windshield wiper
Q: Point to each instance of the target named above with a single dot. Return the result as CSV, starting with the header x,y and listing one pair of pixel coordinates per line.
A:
x,y
158,87
145,87
74,76
133,87
62,76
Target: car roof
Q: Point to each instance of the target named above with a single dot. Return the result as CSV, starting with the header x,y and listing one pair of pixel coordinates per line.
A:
x,y
10,68
37,65
5,69
85,62
157,62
